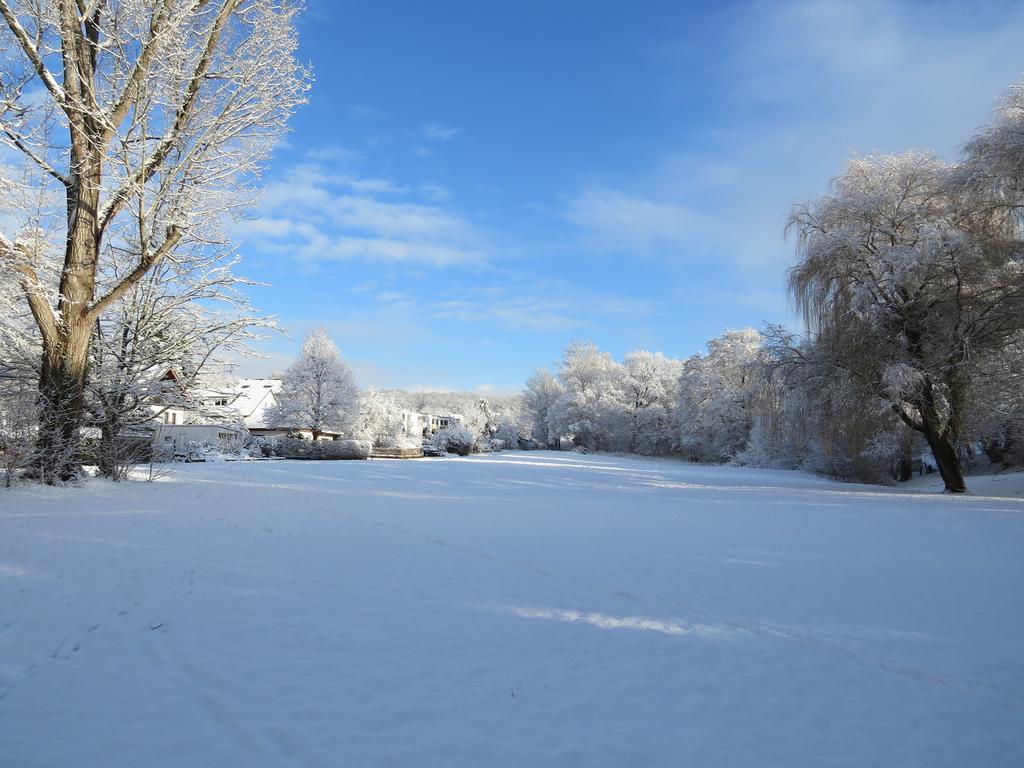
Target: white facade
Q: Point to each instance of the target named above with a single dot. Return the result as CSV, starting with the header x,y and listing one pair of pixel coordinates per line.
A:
x,y
217,423
421,424
176,438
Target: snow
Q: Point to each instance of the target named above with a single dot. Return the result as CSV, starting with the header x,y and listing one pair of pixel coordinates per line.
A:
x,y
252,398
995,483
519,609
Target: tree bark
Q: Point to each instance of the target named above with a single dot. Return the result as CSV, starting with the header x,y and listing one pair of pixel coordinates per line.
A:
x,y
62,403
944,451
66,353
108,460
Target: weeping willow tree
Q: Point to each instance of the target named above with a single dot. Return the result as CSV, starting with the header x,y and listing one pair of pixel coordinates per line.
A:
x,y
902,291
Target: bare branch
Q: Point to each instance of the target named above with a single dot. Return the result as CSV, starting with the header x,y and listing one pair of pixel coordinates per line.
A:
x,y
128,94
149,260
43,165
31,285
182,114
30,50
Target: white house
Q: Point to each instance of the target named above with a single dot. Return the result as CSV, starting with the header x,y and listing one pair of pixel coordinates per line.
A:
x,y
178,426
229,415
252,398
421,424
177,438
438,421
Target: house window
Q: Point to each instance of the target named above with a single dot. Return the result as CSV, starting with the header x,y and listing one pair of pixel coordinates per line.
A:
x,y
221,401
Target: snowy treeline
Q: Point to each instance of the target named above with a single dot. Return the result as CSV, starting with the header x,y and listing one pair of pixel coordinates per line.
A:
x,y
485,422
385,418
497,420
733,404
492,417
910,281
649,403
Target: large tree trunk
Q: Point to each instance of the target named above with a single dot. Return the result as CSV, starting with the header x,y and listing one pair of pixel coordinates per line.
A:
x,y
944,451
939,429
62,404
109,460
66,353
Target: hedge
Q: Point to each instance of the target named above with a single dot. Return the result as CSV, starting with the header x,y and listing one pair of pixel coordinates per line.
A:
x,y
293,448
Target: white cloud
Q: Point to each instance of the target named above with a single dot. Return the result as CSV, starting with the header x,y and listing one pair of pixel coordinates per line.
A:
x,y
334,154
390,250
316,215
803,86
611,219
435,192
371,186
534,304
438,132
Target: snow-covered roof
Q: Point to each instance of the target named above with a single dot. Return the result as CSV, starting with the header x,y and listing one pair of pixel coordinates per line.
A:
x,y
253,397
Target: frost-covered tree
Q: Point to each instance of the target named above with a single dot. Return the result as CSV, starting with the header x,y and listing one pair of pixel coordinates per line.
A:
x,y
19,377
18,421
900,291
715,390
508,433
590,407
649,384
995,416
167,323
380,421
992,173
318,391
541,393
810,414
162,108
481,416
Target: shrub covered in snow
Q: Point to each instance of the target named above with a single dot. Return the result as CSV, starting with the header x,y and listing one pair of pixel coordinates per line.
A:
x,y
458,440
258,446
507,433
381,421
292,448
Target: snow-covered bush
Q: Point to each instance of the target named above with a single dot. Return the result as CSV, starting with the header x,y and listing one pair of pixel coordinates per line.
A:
x,y
292,448
506,433
258,446
17,426
457,440
381,421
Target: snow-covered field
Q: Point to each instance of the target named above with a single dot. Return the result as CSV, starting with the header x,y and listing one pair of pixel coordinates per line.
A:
x,y
523,610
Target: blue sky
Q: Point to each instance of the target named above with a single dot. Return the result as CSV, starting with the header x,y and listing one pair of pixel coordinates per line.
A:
x,y
475,184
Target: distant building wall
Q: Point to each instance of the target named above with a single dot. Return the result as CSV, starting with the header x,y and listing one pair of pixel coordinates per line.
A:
x,y
176,437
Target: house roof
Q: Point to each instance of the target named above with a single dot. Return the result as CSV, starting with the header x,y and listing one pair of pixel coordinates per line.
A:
x,y
252,398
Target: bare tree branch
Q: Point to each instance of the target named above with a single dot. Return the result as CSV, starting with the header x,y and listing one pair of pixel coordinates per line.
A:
x,y
32,54
146,263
